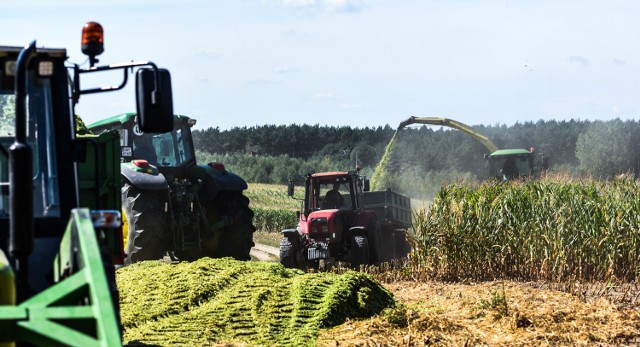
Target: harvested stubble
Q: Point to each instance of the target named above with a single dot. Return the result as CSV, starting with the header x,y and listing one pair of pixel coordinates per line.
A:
x,y
446,314
210,301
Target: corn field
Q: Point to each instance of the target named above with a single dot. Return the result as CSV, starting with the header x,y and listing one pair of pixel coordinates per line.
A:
x,y
273,209
550,230
273,220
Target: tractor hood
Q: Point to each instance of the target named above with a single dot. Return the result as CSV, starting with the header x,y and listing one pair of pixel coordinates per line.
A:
x,y
322,224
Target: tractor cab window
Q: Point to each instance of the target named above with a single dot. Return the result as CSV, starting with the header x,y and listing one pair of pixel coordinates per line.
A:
x,y
334,194
41,138
511,167
167,149
7,128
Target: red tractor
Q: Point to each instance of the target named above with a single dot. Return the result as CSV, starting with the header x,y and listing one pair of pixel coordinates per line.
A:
x,y
341,221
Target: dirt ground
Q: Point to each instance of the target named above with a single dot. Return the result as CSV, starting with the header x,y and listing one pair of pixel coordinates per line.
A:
x,y
498,314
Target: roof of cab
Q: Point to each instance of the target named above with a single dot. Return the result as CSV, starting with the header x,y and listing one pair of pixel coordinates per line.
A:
x,y
125,117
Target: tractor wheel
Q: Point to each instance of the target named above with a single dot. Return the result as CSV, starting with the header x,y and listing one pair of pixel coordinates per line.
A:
x,y
287,253
236,239
144,214
359,251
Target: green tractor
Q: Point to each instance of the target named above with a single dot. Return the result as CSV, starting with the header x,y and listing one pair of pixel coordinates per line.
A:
x,y
504,164
60,224
173,208
509,164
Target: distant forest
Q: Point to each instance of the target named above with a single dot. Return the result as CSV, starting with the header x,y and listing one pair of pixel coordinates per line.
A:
x,y
424,156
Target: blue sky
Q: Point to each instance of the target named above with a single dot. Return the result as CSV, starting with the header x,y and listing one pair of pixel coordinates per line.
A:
x,y
357,62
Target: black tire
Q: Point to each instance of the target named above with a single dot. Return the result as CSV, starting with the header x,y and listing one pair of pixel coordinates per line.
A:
x,y
146,223
359,251
287,253
236,239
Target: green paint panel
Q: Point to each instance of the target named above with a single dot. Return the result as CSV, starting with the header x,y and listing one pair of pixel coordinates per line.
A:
x,y
502,152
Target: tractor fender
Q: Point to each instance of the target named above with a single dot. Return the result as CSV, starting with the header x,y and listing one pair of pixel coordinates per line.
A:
x,y
356,231
149,179
289,232
214,181
353,231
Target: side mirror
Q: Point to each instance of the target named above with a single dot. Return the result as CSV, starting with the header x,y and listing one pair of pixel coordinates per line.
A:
x,y
154,105
290,188
367,185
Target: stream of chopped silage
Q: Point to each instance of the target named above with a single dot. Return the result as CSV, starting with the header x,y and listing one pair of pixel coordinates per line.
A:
x,y
210,301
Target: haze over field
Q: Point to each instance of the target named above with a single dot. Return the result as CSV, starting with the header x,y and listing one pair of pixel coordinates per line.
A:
x,y
358,62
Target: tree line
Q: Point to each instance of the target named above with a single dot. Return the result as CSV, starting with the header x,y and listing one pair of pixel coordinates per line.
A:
x,y
424,156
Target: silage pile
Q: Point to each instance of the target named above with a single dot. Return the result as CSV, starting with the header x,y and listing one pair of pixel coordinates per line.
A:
x,y
222,300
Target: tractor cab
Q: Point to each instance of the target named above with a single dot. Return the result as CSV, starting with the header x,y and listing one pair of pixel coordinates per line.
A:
x,y
332,204
333,191
510,164
172,153
45,120
330,191
32,149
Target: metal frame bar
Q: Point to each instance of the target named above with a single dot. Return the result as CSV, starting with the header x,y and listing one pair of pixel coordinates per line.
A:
x,y
124,66
56,316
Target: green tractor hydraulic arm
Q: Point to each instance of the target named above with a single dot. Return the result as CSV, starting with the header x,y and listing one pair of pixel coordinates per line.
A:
x,y
78,309
451,124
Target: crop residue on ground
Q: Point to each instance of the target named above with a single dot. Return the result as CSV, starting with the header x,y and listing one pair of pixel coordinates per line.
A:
x,y
457,314
222,300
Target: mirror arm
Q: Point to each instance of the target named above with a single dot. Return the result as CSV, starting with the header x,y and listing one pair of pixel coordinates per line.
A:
x,y
124,66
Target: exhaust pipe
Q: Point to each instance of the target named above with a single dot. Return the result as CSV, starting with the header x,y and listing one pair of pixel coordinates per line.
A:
x,y
21,188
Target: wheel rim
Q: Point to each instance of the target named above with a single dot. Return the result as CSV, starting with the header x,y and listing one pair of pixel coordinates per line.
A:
x,y
125,230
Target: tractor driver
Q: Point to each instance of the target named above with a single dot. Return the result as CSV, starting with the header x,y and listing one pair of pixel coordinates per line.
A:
x,y
333,198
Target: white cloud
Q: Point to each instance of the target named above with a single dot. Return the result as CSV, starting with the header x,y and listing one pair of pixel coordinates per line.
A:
x,y
298,3
615,109
350,106
262,82
343,5
329,5
323,95
284,69
579,59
